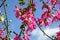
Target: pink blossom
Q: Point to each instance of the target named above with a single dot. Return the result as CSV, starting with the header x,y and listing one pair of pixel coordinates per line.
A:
x,y
1,32
57,16
58,35
47,6
17,38
23,17
31,26
46,14
53,1
44,18
26,36
43,22
18,13
40,21
31,22
46,22
27,18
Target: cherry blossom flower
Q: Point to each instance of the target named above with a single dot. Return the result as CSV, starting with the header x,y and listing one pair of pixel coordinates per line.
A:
x,y
53,1
18,13
17,38
40,21
58,35
57,16
46,22
27,18
47,6
1,32
43,22
31,22
46,14
26,36
44,18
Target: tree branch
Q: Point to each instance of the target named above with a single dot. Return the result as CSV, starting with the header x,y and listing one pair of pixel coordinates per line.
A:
x,y
2,3
6,18
44,32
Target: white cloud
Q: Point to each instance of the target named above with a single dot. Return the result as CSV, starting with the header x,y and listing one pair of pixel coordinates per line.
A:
x,y
51,31
40,36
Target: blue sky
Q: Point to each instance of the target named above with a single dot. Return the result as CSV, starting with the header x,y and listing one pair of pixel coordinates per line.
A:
x,y
15,24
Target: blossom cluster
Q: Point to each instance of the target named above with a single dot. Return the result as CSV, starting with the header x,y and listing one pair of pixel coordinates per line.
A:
x,y
1,33
27,17
47,17
58,35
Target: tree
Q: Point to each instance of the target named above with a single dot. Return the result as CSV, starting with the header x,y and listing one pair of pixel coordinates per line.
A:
x,y
29,22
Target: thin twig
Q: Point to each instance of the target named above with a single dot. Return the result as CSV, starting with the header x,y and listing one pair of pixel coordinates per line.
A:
x,y
15,33
44,32
6,18
2,3
20,33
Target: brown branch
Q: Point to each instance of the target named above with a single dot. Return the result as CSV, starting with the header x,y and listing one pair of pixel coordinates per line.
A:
x,y
44,32
6,18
